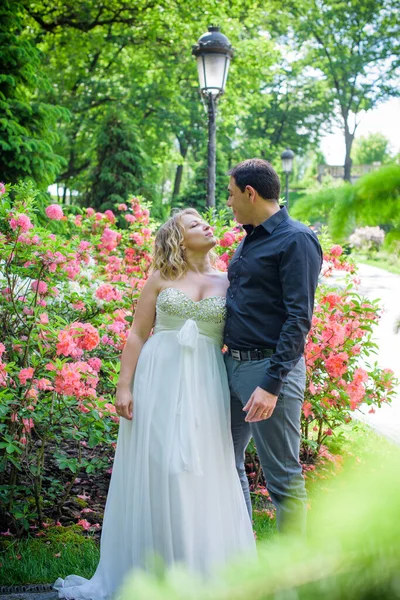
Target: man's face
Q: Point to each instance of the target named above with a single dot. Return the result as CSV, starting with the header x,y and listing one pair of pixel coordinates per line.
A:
x,y
240,203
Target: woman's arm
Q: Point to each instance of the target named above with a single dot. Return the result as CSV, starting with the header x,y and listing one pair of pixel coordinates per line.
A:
x,y
138,335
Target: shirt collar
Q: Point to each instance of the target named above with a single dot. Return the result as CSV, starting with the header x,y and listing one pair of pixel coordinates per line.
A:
x,y
271,223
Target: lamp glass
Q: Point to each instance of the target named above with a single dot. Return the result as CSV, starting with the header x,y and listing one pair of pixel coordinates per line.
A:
x,y
213,72
287,165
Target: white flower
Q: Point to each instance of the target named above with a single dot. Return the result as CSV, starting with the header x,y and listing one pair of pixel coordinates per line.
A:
x,y
74,286
367,237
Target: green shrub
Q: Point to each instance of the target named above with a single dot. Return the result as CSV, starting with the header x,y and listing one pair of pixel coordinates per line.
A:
x,y
377,197
392,241
374,200
318,206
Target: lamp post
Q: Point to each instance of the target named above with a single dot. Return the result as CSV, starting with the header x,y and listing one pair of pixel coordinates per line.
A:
x,y
287,157
213,53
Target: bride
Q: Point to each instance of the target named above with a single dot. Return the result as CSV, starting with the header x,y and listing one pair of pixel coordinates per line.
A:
x,y
174,495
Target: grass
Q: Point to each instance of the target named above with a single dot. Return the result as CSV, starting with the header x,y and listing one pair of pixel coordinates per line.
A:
x,y
61,552
36,560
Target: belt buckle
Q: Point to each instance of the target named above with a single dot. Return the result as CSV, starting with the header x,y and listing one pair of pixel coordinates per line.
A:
x,y
236,354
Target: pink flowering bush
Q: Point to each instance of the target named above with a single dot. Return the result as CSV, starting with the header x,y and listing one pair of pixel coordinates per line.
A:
x,y
66,305
341,373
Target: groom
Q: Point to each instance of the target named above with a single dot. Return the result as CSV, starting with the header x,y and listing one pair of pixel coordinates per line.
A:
x,y
273,276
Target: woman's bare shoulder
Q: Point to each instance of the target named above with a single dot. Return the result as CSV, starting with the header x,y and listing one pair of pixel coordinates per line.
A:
x,y
222,278
155,281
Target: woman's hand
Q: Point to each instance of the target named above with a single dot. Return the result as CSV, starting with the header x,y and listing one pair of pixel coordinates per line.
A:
x,y
124,402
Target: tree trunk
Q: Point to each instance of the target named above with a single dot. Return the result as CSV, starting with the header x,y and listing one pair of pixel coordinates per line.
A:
x,y
178,181
183,148
348,140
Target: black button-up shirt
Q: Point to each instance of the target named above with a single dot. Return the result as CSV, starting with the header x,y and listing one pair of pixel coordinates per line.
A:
x,y
273,276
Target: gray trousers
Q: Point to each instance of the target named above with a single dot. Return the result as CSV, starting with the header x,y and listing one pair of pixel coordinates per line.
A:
x,y
277,439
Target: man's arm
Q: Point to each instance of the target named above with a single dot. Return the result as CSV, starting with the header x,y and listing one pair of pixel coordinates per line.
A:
x,y
299,267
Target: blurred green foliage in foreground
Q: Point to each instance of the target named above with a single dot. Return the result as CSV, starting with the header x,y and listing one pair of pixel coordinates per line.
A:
x,y
352,551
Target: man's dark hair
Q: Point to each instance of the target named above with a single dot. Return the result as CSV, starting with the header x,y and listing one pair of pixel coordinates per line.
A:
x,y
260,175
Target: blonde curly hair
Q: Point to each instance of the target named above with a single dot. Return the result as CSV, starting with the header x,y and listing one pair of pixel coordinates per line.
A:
x,y
169,256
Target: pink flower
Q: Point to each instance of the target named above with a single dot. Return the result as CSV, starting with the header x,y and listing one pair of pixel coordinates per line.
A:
x,y
336,365
28,425
90,212
108,293
137,238
307,409
85,524
67,345
95,363
130,218
84,245
79,305
122,206
110,215
76,379
7,533
55,212
39,286
25,374
337,250
2,349
332,299
89,338
227,240
22,221
220,265
110,239
44,318
44,384
2,188
72,268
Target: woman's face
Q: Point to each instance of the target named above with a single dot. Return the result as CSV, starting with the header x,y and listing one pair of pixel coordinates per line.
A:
x,y
198,235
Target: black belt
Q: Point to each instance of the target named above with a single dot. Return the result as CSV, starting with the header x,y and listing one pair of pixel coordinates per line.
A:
x,y
255,354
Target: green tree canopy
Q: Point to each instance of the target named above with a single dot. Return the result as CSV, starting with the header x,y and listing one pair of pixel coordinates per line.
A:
x,y
354,45
120,165
28,126
370,149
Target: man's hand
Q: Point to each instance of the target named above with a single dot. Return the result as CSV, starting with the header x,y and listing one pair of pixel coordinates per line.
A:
x,y
260,406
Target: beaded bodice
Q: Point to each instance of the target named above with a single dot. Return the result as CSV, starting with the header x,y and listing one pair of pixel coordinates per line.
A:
x,y
174,307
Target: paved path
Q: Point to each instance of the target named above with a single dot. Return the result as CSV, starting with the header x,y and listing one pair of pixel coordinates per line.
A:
x,y
29,596
377,283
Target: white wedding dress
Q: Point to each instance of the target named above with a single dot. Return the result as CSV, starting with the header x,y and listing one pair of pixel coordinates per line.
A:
x,y
174,494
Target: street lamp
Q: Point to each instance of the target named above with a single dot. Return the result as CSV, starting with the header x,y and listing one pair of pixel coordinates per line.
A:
x,y
213,53
287,157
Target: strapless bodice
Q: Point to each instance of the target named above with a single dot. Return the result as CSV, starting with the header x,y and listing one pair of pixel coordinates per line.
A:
x,y
174,308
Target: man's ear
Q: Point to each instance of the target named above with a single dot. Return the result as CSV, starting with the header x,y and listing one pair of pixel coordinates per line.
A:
x,y
251,192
